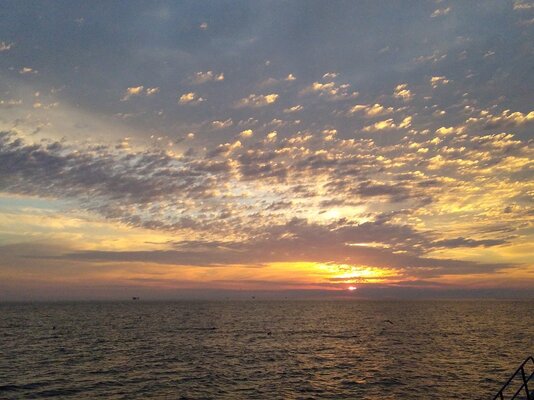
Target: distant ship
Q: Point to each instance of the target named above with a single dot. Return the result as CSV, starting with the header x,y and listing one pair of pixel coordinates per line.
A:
x,y
135,298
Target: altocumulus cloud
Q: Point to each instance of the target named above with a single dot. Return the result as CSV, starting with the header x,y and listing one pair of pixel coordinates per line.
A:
x,y
176,193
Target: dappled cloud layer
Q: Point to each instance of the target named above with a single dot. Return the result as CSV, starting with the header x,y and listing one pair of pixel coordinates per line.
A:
x,y
284,176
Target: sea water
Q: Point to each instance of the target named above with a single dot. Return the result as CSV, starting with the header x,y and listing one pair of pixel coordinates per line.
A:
x,y
258,349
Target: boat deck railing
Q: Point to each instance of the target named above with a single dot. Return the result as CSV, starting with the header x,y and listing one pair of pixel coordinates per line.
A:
x,y
525,377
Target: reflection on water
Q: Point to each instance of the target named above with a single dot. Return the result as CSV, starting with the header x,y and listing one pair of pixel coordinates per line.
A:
x,y
262,349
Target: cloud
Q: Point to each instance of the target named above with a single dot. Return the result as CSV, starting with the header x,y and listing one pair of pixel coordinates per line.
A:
x,y
330,75
329,134
268,82
522,6
204,77
152,91
527,22
10,103
222,124
139,91
440,12
371,111
463,242
225,149
232,189
273,81
436,81
450,130
300,241
496,142
190,98
112,182
402,92
331,91
132,91
28,71
246,133
257,100
388,124
397,191
271,136
293,109
433,58
6,46
505,119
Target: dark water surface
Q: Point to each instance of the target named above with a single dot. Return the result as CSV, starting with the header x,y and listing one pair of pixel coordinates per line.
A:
x,y
223,350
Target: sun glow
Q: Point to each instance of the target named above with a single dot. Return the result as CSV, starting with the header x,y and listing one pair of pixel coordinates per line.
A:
x,y
345,273
310,274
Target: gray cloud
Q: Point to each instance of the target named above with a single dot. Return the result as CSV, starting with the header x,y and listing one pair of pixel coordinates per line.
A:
x,y
463,242
299,241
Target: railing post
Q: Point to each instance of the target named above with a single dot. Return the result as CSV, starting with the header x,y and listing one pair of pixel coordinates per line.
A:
x,y
529,395
525,382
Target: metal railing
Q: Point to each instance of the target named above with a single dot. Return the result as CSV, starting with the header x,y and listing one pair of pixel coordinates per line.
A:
x,y
524,386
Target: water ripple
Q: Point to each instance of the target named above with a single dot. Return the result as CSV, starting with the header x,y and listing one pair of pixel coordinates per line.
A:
x,y
261,349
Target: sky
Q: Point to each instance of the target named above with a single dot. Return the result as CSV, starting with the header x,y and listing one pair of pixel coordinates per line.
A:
x,y
365,149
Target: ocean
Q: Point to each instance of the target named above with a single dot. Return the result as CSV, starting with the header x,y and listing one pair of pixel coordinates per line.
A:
x,y
260,349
